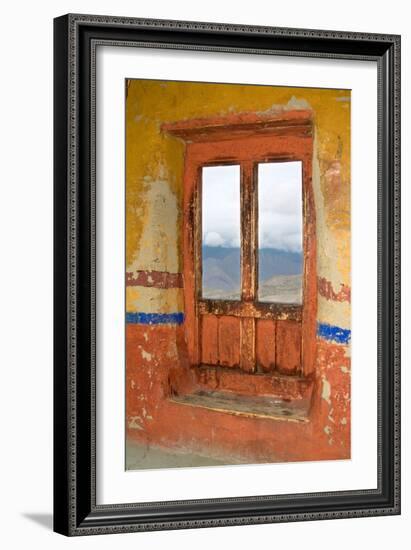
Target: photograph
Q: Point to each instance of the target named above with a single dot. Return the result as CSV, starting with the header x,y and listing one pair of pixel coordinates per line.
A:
x,y
226,274
238,274
205,247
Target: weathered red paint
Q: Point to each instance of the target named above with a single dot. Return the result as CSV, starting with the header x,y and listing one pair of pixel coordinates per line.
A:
x,y
289,388
265,344
288,347
257,310
228,342
325,289
155,279
295,122
209,340
157,367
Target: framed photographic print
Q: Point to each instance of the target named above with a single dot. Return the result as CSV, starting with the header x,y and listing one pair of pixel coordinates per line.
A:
x,y
226,274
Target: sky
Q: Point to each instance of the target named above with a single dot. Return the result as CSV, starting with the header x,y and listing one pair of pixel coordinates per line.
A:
x,y
279,206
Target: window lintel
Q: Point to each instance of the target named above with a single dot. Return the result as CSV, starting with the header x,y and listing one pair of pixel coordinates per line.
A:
x,y
241,125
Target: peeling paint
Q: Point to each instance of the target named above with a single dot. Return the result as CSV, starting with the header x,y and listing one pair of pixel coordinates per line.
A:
x,y
325,289
142,318
292,104
326,390
134,423
158,279
334,313
336,334
146,355
158,247
154,300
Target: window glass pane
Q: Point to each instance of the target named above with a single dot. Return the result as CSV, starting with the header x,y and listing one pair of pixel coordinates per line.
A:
x,y
280,232
221,232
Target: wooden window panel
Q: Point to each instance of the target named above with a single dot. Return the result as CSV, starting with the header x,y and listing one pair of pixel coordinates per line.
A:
x,y
209,339
288,347
247,362
229,341
266,345
247,140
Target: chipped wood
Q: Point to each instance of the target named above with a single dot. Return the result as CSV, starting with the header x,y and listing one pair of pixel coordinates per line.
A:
x,y
248,233
247,140
309,319
242,125
209,339
189,246
288,347
247,360
228,341
261,407
258,310
242,383
265,344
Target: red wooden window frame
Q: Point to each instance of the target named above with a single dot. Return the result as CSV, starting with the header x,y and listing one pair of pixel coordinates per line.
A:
x,y
247,140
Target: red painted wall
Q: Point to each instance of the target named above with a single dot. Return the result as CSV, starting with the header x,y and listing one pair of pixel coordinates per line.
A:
x,y
156,361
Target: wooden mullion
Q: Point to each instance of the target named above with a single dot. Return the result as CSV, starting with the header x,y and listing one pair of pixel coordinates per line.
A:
x,y
248,264
255,214
192,257
247,344
198,256
198,233
248,233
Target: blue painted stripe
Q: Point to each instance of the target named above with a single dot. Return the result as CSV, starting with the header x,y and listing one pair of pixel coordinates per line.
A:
x,y
325,331
335,334
155,318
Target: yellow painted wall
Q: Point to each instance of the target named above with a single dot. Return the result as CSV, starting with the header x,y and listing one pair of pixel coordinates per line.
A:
x,y
154,174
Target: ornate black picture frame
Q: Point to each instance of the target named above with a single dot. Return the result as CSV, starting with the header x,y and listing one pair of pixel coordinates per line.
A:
x,y
76,38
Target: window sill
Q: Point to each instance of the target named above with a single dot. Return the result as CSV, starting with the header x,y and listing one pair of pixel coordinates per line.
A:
x,y
247,406
257,384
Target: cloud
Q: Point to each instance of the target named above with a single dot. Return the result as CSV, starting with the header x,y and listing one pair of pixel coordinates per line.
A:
x,y
279,206
221,206
282,231
212,238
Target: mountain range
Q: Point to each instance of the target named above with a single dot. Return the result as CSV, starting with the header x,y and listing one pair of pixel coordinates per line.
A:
x,y
279,274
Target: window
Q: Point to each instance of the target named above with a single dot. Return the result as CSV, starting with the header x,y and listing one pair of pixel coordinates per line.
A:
x,y
221,235
249,244
280,232
279,236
